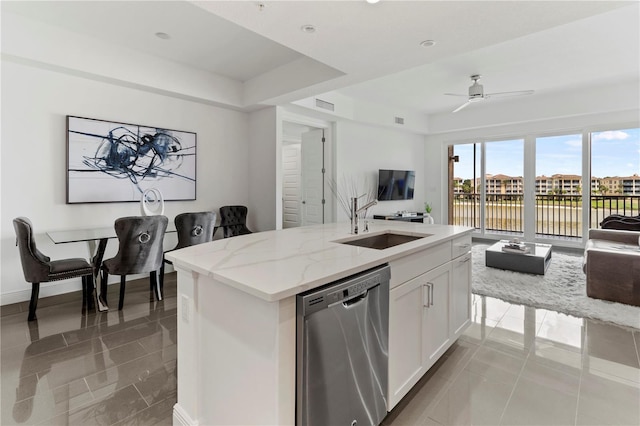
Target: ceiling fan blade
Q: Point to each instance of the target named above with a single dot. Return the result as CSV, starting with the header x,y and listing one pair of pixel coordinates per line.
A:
x,y
456,94
461,106
505,94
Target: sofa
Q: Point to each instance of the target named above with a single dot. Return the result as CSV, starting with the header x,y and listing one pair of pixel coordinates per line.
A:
x,y
612,265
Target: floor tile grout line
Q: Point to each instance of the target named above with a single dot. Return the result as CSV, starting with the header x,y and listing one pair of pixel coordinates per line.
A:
x,y
515,385
448,385
579,390
141,395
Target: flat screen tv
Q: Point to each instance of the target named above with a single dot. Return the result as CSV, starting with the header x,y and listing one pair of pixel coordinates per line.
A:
x,y
396,184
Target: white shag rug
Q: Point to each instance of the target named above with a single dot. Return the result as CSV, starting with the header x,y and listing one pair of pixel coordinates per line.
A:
x,y
561,289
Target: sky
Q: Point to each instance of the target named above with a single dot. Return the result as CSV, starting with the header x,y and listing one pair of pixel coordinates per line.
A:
x,y
613,153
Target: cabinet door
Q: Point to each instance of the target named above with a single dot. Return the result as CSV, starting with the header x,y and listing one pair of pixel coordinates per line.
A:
x,y
405,338
436,314
460,294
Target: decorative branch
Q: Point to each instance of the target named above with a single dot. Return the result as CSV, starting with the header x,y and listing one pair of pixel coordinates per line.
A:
x,y
351,187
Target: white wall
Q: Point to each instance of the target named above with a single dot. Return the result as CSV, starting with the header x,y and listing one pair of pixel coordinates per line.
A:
x,y
362,149
265,160
35,102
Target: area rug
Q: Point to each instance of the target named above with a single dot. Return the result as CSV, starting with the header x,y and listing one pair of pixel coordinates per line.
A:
x,y
561,289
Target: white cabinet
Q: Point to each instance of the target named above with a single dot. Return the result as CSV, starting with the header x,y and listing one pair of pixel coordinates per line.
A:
x,y
406,323
436,338
427,312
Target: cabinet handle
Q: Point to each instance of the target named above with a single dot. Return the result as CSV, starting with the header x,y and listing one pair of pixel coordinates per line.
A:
x,y
465,260
426,295
431,295
464,246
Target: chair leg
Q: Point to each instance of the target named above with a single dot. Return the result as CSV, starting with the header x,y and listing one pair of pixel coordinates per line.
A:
x,y
103,286
33,304
155,284
161,278
84,293
123,280
89,292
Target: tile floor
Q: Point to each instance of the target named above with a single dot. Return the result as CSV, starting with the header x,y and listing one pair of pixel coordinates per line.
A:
x,y
518,365
514,365
72,368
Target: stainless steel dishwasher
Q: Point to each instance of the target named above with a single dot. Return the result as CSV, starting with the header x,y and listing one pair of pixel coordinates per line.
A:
x,y
342,351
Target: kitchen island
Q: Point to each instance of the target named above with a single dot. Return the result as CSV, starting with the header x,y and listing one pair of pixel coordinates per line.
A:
x,y
237,312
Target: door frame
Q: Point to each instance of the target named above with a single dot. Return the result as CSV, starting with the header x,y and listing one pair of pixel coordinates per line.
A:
x,y
329,156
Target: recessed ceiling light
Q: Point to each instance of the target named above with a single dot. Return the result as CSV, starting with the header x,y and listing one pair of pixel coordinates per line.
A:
x,y
163,36
428,43
372,1
308,28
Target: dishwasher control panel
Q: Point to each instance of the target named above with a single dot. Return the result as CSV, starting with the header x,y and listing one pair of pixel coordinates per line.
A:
x,y
342,290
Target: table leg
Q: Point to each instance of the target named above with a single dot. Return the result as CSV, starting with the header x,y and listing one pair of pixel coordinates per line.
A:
x,y
96,261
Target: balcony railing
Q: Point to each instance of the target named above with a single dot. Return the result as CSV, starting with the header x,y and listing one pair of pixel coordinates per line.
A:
x,y
556,215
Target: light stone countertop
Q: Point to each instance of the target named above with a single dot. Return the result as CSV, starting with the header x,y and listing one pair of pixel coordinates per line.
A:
x,y
274,265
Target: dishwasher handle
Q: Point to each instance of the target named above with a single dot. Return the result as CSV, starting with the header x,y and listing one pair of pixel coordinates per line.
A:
x,y
355,299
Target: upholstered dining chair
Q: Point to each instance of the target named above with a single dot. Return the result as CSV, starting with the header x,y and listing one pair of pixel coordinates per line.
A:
x,y
139,252
192,228
233,221
38,268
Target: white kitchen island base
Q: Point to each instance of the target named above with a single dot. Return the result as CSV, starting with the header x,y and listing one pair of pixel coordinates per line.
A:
x,y
236,356
237,312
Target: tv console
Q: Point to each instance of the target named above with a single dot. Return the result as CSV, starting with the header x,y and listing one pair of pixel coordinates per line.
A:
x,y
407,217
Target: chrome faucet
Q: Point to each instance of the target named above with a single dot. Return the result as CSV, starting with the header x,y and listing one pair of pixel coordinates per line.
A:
x,y
355,211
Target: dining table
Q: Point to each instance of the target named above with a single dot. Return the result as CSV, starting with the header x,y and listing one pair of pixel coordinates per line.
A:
x,y
97,238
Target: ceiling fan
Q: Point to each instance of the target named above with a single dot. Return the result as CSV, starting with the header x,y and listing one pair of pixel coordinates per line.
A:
x,y
476,93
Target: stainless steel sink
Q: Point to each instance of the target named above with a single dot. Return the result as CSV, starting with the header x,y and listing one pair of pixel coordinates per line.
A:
x,y
383,240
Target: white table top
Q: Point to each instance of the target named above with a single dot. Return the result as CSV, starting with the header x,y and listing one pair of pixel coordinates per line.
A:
x,y
274,265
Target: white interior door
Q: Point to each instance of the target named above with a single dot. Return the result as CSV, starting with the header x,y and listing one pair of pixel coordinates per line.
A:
x,y
312,177
291,188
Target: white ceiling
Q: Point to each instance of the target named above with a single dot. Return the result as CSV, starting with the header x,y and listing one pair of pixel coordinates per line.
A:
x,y
517,45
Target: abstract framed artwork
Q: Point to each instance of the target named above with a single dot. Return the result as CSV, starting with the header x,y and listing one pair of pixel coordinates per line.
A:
x,y
116,162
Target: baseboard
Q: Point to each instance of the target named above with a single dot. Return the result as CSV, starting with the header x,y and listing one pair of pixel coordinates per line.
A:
x,y
46,290
180,417
59,287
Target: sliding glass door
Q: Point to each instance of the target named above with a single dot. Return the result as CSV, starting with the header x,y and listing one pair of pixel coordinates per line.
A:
x,y
504,186
558,188
488,186
615,170
465,185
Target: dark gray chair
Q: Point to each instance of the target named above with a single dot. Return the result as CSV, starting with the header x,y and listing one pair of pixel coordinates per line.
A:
x,y
38,268
233,221
140,251
192,228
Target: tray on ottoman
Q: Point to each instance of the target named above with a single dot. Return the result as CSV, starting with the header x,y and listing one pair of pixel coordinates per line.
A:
x,y
534,259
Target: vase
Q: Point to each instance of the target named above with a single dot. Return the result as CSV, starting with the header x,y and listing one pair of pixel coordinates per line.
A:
x,y
152,202
428,219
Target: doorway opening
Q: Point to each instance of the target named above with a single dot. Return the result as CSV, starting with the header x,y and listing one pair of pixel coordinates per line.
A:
x,y
306,166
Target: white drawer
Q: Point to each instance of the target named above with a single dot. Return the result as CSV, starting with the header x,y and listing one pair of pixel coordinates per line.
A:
x,y
415,264
460,246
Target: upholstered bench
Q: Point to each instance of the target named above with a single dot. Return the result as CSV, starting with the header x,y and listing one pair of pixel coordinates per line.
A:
x,y
612,265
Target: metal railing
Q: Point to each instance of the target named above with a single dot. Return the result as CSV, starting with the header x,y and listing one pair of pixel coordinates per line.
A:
x,y
556,215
